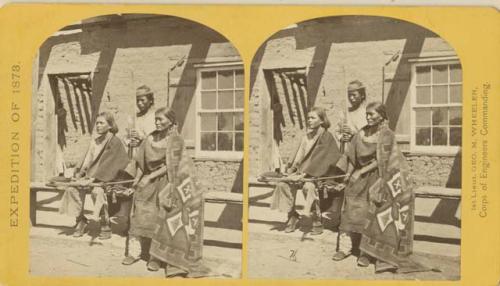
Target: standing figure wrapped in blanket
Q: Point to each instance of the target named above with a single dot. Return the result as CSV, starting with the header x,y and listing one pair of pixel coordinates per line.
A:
x,y
379,203
150,178
316,156
105,157
167,214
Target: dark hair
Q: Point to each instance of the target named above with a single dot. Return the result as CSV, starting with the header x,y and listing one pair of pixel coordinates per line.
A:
x,y
168,113
379,107
321,112
110,119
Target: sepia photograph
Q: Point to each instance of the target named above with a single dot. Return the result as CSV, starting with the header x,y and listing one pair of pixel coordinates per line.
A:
x,y
355,131
137,150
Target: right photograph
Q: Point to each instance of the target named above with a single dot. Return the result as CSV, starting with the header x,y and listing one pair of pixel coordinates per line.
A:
x,y
355,152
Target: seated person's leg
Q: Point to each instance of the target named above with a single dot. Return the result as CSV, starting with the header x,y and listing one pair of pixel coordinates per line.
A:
x,y
283,198
312,198
311,207
100,201
72,204
284,201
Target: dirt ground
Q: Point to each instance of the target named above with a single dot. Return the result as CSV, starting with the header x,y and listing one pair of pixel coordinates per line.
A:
x,y
313,261
80,257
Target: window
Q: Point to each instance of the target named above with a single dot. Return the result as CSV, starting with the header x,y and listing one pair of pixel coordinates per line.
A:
x,y
437,107
220,107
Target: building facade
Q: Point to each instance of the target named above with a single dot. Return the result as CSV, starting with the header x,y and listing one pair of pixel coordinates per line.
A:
x,y
97,64
416,73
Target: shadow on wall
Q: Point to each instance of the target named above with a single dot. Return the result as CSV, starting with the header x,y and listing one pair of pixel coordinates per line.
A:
x,y
321,33
455,177
237,186
106,34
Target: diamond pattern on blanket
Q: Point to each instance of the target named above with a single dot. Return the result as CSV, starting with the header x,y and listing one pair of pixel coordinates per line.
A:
x,y
175,223
185,189
384,219
394,184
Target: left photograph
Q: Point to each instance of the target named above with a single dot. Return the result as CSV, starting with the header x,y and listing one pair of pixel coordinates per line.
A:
x,y
137,150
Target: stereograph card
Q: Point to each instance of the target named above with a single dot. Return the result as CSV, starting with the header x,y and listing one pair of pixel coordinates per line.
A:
x,y
249,144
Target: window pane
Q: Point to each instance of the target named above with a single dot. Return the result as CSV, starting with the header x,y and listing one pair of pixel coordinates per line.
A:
x,y
423,136
226,80
226,100
208,99
440,116
440,94
238,141
239,79
423,75
208,122
440,74
208,141
455,136
208,80
423,117
238,121
455,73
239,98
225,122
423,94
456,93
456,116
225,141
439,136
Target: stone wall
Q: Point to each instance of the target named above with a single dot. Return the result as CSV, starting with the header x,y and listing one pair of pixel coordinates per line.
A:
x,y
220,175
443,171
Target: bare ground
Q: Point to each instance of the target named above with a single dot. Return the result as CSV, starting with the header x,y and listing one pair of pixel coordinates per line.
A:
x,y
270,257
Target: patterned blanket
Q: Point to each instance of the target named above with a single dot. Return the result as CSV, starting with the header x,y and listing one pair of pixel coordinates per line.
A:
x,y
178,239
388,235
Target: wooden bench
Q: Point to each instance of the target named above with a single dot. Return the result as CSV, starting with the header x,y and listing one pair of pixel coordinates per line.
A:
x,y
210,197
420,192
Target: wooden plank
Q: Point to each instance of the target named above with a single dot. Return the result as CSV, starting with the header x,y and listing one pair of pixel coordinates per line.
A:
x,y
218,196
434,191
422,191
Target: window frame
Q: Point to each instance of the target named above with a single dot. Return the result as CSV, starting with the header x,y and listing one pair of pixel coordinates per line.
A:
x,y
216,155
431,150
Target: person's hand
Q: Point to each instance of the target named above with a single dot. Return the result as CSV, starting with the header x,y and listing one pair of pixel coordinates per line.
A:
x,y
78,175
339,187
145,180
346,137
135,183
134,142
347,133
85,182
295,177
346,129
290,170
134,133
355,176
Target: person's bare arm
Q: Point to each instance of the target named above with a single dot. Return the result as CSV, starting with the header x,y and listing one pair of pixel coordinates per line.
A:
x,y
146,179
358,173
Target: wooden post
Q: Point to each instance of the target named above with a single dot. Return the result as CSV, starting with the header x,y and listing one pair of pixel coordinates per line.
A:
x,y
266,129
